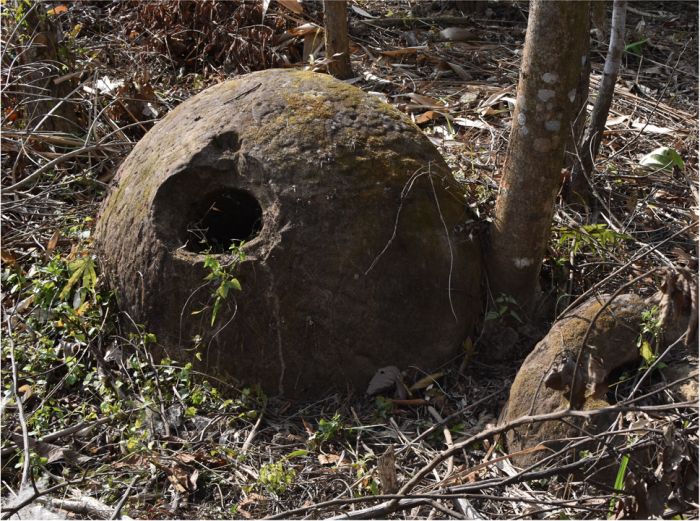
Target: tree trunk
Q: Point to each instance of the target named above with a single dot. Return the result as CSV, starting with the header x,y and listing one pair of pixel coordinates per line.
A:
x,y
580,190
580,107
42,59
550,71
335,21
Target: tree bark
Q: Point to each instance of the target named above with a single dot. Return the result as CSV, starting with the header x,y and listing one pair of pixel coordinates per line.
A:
x,y
578,126
43,61
335,21
550,71
580,190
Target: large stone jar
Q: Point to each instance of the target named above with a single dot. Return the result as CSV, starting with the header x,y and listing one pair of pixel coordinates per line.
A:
x,y
357,242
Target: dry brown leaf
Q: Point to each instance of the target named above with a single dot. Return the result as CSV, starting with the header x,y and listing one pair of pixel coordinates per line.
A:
x,y
293,5
328,459
179,477
459,71
26,391
308,428
405,51
8,257
53,241
425,100
304,29
185,457
57,10
386,467
426,381
430,115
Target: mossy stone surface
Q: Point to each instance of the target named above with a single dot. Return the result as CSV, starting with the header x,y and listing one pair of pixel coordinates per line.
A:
x,y
612,344
361,258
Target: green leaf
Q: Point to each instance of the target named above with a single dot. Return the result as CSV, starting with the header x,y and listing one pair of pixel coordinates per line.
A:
x,y
619,480
662,158
297,453
636,47
77,268
646,352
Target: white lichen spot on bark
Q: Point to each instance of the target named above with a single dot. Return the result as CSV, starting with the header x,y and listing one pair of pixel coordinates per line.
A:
x,y
553,125
524,131
550,77
572,95
545,94
520,102
584,59
523,262
521,119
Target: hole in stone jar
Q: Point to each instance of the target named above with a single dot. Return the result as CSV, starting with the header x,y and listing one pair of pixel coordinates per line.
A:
x,y
228,217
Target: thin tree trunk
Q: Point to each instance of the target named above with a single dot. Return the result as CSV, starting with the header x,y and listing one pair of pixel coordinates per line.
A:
x,y
335,21
550,71
580,190
43,61
580,107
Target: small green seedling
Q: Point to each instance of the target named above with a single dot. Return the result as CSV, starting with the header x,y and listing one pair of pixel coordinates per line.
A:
x,y
222,276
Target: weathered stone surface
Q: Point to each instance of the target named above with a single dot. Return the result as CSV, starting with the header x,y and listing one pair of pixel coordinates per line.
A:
x,y
543,383
357,254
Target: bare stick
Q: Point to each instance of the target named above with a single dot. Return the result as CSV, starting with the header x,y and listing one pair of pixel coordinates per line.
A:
x,y
20,409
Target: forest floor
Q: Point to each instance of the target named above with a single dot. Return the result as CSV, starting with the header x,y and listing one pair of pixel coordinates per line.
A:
x,y
102,430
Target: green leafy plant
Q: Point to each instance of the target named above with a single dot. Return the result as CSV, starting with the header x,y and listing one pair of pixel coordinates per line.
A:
x,y
662,159
223,278
589,238
328,429
277,476
505,306
619,482
649,336
636,47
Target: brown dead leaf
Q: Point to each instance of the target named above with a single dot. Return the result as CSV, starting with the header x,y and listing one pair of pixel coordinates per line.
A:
x,y
26,391
308,428
255,500
8,257
132,460
386,467
459,71
53,241
185,457
430,115
304,29
328,459
59,9
426,381
404,51
179,476
52,452
422,99
293,5
11,114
